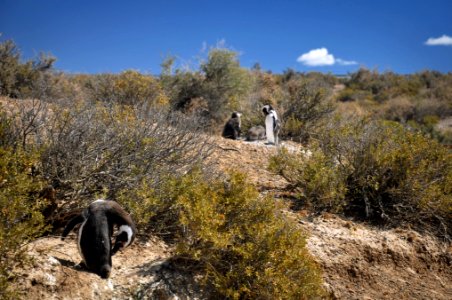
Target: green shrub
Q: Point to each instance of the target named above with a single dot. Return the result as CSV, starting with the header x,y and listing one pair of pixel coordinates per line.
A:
x,y
20,217
226,84
241,243
384,173
384,86
308,104
21,79
346,95
314,177
132,87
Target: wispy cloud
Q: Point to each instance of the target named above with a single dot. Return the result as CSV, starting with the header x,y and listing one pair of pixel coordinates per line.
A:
x,y
443,40
346,62
321,57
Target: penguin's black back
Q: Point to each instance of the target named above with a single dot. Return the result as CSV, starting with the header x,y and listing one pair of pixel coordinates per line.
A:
x,y
232,128
95,239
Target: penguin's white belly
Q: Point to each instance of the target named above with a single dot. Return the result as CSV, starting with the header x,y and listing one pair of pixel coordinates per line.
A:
x,y
80,231
269,128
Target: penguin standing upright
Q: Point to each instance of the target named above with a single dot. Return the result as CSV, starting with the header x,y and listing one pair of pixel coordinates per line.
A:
x,y
272,124
94,236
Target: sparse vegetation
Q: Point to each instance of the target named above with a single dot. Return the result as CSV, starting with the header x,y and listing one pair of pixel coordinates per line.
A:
x,y
378,171
143,140
21,79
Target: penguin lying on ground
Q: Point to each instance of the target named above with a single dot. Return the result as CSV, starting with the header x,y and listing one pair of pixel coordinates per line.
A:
x,y
94,236
272,124
233,127
256,133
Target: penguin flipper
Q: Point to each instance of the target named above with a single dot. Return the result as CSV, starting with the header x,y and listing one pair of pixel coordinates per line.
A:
x,y
74,221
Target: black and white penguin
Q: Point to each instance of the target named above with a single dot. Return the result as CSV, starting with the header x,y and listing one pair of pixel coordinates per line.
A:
x,y
233,127
94,235
272,124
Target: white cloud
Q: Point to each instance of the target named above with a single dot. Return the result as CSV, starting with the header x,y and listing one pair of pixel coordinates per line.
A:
x,y
317,57
443,40
321,57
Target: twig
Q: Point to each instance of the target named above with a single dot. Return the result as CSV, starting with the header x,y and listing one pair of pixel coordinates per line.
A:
x,y
228,149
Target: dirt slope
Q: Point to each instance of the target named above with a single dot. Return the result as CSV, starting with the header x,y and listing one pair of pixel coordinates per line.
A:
x,y
359,262
367,263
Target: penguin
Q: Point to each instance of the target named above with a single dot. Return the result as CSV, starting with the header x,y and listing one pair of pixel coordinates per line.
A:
x,y
94,235
232,129
256,133
272,124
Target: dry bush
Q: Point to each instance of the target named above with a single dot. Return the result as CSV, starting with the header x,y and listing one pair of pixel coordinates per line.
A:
x,y
265,90
132,87
21,219
129,88
352,109
315,179
26,119
309,103
241,245
96,150
20,79
397,109
100,87
433,107
58,88
377,171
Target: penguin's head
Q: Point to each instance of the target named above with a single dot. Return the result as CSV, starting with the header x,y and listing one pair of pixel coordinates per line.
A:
x,y
105,271
266,109
124,238
236,115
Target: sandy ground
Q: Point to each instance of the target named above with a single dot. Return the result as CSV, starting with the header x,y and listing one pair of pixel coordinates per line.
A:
x,y
56,274
359,262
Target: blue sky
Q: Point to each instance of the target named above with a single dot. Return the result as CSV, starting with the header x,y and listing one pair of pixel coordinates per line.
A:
x,y
326,36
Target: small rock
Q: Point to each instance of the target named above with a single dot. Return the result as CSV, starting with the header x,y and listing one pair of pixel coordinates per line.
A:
x,y
53,261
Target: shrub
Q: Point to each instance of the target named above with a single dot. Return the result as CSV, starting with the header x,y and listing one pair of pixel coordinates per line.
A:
x,y
397,109
100,87
132,87
20,217
25,120
347,95
226,84
385,174
314,177
20,79
184,88
129,88
433,106
384,86
96,150
308,104
266,90
242,244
